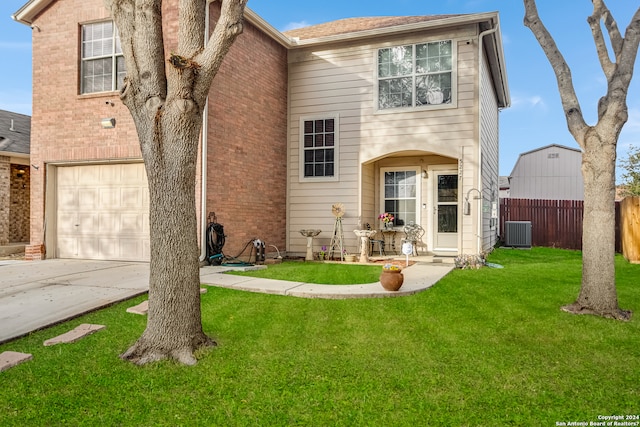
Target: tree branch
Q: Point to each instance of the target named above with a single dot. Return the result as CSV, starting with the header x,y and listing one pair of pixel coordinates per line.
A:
x,y
191,27
140,25
601,47
612,27
227,29
570,103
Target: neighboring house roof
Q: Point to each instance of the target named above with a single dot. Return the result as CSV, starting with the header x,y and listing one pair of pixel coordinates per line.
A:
x,y
15,134
503,182
353,25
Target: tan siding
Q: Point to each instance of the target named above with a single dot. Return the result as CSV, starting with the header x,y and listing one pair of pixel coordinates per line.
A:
x,y
489,142
342,80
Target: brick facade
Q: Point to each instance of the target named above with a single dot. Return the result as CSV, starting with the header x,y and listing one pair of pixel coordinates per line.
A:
x,y
246,135
19,199
247,143
5,203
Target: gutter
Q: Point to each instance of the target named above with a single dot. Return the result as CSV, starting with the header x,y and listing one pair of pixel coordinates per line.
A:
x,y
480,183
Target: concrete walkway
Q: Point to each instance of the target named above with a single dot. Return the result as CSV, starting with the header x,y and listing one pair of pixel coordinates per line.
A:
x,y
37,294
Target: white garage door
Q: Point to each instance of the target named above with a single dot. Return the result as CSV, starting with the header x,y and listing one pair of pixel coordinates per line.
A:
x,y
103,212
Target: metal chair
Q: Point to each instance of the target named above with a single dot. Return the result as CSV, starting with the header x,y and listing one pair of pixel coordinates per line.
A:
x,y
380,243
413,234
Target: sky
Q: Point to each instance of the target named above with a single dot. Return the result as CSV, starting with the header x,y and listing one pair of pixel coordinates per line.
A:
x,y
534,119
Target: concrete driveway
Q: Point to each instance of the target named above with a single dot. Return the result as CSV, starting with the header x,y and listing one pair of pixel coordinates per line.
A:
x,y
36,294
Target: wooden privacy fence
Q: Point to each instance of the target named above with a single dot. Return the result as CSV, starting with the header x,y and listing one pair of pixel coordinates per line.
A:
x,y
554,223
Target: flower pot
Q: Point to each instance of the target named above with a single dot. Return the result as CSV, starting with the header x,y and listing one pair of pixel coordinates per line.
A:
x,y
391,280
388,226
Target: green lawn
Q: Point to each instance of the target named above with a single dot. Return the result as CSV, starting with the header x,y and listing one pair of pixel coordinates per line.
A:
x,y
318,272
481,348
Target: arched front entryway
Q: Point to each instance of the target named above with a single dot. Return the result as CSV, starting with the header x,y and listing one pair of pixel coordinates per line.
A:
x,y
414,187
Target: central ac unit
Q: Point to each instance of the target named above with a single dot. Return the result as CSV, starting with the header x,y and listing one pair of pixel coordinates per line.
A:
x,y
517,234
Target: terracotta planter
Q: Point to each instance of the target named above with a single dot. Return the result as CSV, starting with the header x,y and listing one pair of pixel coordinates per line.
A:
x,y
391,280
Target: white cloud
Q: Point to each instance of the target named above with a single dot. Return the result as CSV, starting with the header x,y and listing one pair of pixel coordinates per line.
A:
x,y
532,101
295,25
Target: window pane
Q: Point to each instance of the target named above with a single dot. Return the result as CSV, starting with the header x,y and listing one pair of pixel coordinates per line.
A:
x,y
308,140
308,156
318,134
101,69
328,140
400,192
308,126
447,219
447,188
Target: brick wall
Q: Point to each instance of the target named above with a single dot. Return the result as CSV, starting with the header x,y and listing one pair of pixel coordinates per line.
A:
x,y
5,185
247,126
65,126
247,142
19,204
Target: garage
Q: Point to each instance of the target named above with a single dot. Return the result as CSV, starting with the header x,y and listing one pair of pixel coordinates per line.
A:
x,y
102,212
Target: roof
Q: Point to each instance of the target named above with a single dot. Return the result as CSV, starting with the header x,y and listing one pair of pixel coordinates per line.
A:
x,y
353,25
526,153
15,133
561,147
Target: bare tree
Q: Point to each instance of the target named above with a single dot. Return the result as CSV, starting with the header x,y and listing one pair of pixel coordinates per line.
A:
x,y
631,175
166,97
598,289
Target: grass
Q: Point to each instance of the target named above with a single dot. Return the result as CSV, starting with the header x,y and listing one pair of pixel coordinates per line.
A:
x,y
317,272
481,348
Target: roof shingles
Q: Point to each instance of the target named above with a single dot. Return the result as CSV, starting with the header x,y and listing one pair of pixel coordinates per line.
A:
x,y
15,132
354,25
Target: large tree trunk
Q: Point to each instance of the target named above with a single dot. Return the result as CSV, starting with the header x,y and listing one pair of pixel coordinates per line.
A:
x,y
174,327
598,291
166,98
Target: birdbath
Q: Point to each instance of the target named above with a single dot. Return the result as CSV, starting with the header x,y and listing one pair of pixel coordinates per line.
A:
x,y
309,234
364,236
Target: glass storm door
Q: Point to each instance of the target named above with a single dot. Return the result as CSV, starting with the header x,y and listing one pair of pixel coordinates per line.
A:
x,y
446,212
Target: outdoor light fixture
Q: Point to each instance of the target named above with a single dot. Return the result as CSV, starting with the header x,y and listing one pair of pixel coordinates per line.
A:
x,y
21,173
467,205
425,174
108,123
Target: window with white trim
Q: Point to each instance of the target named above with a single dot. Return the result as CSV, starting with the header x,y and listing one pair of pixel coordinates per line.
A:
x,y
400,191
102,68
415,75
319,141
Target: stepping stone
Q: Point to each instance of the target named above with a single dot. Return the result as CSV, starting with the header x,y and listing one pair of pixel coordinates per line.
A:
x,y
75,334
141,308
9,359
203,291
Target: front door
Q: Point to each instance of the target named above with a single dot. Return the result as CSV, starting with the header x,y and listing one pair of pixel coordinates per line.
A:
x,y
445,221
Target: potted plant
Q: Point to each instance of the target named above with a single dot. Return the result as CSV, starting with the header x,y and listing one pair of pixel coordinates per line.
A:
x,y
387,219
391,277
322,253
348,257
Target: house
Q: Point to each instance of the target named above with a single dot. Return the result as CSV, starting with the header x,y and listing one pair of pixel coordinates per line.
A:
x,y
383,114
552,172
15,132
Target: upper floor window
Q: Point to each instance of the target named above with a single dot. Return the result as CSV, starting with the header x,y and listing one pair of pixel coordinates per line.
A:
x,y
102,67
415,75
319,140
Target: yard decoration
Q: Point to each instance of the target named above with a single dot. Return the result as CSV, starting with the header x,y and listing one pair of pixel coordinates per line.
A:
x,y
391,277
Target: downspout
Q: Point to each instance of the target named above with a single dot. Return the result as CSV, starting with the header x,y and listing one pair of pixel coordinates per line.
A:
x,y
204,157
480,60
